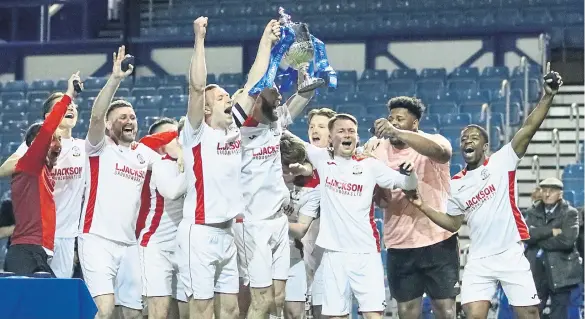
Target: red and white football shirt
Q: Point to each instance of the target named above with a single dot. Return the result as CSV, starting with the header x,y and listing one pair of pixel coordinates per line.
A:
x,y
166,190
304,200
114,182
487,197
213,161
261,167
347,187
69,177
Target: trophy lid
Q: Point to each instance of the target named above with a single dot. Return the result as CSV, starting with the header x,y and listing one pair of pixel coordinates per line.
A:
x,y
285,19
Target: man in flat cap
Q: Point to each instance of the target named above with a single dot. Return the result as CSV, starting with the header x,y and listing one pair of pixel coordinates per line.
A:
x,y
555,263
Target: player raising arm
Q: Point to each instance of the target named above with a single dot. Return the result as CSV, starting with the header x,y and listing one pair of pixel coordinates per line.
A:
x,y
484,193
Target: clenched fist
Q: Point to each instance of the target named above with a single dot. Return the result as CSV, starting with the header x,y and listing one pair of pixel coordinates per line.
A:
x,y
272,31
200,27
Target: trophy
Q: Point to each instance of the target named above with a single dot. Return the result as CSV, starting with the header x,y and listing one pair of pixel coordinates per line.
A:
x,y
300,54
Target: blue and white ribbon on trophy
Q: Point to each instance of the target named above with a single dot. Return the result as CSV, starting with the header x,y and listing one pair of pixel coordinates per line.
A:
x,y
318,67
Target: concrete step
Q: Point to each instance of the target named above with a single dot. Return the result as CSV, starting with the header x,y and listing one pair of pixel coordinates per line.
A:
x,y
545,148
563,109
526,174
563,123
546,161
546,135
569,98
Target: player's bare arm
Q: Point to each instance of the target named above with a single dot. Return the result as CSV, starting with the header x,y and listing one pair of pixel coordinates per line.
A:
x,y
270,36
97,121
552,82
448,222
197,75
300,228
435,149
297,103
8,167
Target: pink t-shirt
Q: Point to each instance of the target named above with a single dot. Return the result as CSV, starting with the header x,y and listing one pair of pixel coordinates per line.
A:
x,y
404,225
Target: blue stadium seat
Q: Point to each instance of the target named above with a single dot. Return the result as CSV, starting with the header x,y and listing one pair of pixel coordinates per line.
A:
x,y
11,137
11,147
346,87
573,171
41,85
147,81
433,73
149,120
349,97
231,78
461,119
497,72
173,113
177,101
477,96
379,75
402,74
515,111
373,86
373,97
536,17
93,83
377,110
573,184
563,17
35,106
178,80
15,86
7,96
534,87
166,91
16,106
461,84
574,37
454,169
231,88
470,107
491,84
451,133
61,85
497,119
442,108
123,92
430,84
430,120
464,73
146,91
87,93
533,71
355,109
127,83
401,85
148,102
569,196
33,95
508,17
347,76
495,141
579,198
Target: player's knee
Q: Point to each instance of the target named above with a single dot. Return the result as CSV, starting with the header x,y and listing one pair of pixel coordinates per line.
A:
x,y
201,306
294,310
445,313
279,299
262,298
409,309
105,305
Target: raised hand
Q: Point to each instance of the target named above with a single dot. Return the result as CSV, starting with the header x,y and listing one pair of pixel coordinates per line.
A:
x,y
552,81
71,87
272,31
200,27
383,127
117,68
413,197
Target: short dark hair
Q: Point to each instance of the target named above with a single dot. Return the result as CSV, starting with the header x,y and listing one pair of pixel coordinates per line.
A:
x,y
341,116
413,105
50,101
160,122
292,150
116,105
482,131
32,132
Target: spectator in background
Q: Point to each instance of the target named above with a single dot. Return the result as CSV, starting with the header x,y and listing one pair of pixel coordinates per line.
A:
x,y
535,196
6,225
556,267
580,239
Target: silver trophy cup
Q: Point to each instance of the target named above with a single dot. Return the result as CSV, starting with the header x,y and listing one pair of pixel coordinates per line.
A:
x,y
300,54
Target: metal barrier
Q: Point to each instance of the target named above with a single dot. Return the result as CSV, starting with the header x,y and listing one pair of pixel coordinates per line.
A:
x,y
535,170
505,92
543,41
525,69
556,143
574,115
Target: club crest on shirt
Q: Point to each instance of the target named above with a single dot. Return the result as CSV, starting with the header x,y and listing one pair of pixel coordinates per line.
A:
x,y
140,159
357,170
76,151
485,174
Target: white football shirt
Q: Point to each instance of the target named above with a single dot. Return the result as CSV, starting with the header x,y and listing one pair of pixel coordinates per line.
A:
x,y
213,160
347,187
69,176
261,167
166,192
487,197
112,198
304,200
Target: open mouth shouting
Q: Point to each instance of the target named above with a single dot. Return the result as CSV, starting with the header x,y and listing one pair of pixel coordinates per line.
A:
x,y
69,115
128,129
228,110
347,143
